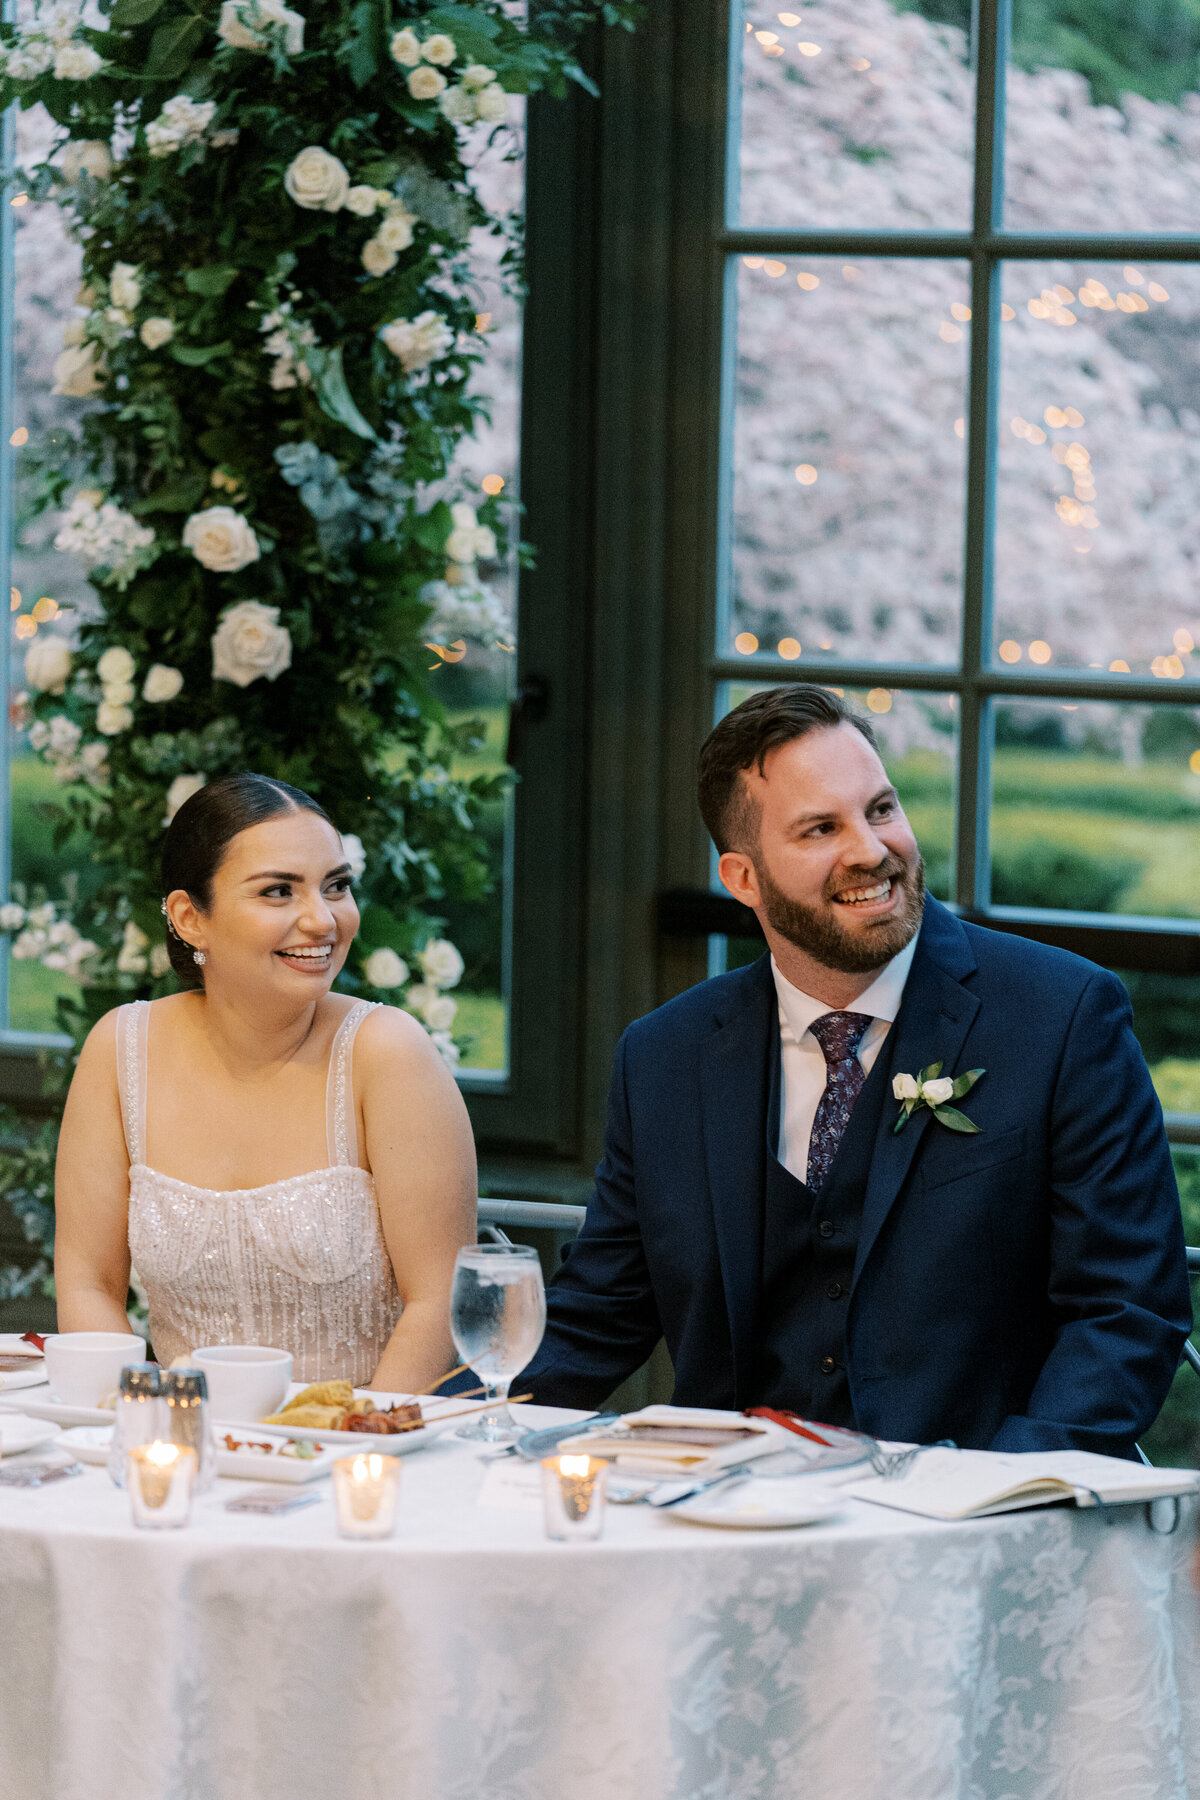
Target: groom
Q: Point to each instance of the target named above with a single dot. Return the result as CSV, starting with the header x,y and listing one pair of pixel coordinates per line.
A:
x,y
1009,1274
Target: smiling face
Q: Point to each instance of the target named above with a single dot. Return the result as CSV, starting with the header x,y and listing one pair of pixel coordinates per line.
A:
x,y
835,871
282,916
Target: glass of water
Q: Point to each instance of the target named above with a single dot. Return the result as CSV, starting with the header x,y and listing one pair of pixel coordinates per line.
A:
x,y
497,1317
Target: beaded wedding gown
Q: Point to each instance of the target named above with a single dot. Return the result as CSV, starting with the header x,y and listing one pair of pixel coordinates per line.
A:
x,y
298,1264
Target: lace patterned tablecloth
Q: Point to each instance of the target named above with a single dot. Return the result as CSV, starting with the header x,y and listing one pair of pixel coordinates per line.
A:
x,y
1037,1656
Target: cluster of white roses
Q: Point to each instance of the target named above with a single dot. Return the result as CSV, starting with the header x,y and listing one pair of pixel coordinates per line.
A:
x,y
287,341
441,967
108,317
320,182
418,342
116,669
57,742
478,96
137,954
185,121
463,605
105,537
260,25
44,937
47,42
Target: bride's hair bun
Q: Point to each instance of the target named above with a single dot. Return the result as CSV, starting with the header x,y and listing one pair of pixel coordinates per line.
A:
x,y
201,832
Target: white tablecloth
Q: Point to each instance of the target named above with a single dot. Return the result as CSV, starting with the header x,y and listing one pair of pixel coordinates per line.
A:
x,y
1036,1656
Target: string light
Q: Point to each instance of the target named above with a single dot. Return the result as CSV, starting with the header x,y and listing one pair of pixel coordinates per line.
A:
x,y
879,700
14,599
1010,651
1120,667
960,312
26,627
809,49
1055,417
789,648
949,334
1157,292
1133,276
492,484
1007,313
20,436
860,63
1194,762
960,428
806,474
45,609
1184,642
788,19
745,643
753,262
850,272
1040,651
808,282
775,269
482,321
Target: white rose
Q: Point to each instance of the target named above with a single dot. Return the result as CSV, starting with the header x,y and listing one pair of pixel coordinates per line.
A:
x,y
131,958
384,969
160,961
361,200
220,538
73,332
111,718
396,232
180,790
905,1087
377,259
458,105
249,642
124,286
61,932
491,104
317,181
118,693
440,49
25,61
12,916
48,664
76,62
90,156
937,1092
426,84
78,371
446,1047
161,683
440,1012
441,963
478,75
417,342
115,665
93,757
42,916
460,545
157,332
232,31
419,996
355,854
29,945
406,49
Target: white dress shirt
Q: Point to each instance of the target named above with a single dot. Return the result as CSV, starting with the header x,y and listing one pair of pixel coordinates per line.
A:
x,y
803,1066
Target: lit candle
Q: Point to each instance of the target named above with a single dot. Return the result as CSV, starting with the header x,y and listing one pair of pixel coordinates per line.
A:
x,y
573,1491
365,1489
160,1478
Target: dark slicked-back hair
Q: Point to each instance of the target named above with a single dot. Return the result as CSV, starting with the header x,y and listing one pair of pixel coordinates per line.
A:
x,y
743,740
200,834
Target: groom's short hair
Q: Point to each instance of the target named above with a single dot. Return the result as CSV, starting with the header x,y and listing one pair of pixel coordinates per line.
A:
x,y
745,737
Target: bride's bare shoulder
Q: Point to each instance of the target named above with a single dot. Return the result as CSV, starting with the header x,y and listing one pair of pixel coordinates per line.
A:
x,y
389,1038
100,1045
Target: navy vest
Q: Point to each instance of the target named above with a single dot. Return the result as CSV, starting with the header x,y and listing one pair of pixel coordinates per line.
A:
x,y
809,1245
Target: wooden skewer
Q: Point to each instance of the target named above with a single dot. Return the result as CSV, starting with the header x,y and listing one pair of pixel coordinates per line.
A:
x,y
441,1382
440,1419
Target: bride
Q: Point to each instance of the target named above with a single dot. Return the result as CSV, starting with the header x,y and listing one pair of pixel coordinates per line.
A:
x,y
285,1165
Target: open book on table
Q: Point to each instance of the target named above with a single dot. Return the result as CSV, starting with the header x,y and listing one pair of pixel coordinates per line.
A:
x,y
968,1484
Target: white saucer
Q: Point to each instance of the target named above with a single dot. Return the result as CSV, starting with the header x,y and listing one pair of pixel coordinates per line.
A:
x,y
18,1433
90,1444
43,1403
754,1506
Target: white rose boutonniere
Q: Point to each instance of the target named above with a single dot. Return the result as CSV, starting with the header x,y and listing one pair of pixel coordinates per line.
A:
x,y
221,539
933,1089
249,642
317,181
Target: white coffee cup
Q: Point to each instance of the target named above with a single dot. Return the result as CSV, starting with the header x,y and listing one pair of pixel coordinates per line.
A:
x,y
83,1367
245,1381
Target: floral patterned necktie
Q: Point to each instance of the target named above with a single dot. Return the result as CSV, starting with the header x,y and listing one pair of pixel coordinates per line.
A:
x,y
839,1035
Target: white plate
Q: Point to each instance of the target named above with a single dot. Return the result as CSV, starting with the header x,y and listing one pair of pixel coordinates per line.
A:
x,y
33,1376
18,1433
90,1444
47,1405
399,1443
752,1506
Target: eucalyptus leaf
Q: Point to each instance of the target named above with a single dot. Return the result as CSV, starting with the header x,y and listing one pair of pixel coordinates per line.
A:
x,y
211,281
964,1083
931,1073
949,1115
334,395
196,359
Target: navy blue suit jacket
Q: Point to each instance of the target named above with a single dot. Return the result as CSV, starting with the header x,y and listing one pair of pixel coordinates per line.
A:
x,y
1024,1288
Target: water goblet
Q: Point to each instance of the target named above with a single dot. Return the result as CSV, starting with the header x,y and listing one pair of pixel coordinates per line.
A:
x,y
497,1317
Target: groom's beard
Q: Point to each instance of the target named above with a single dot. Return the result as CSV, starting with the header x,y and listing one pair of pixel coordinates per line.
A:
x,y
819,932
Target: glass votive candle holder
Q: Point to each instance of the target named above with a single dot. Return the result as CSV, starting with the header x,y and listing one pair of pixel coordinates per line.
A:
x,y
573,1492
161,1478
365,1490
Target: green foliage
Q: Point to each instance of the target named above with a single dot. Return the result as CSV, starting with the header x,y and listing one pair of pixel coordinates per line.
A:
x,y
1047,874
1120,47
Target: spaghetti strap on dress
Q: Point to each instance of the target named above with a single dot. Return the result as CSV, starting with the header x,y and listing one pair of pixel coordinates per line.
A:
x,y
298,1264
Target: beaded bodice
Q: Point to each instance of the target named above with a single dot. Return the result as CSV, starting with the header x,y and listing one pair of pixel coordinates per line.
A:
x,y
298,1264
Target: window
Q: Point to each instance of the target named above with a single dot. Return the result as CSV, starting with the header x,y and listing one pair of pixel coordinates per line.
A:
x,y
959,435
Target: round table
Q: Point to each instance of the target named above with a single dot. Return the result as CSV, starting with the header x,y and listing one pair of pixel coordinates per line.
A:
x,y
1047,1655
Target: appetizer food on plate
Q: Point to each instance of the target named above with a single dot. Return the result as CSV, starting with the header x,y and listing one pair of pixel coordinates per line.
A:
x,y
332,1406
